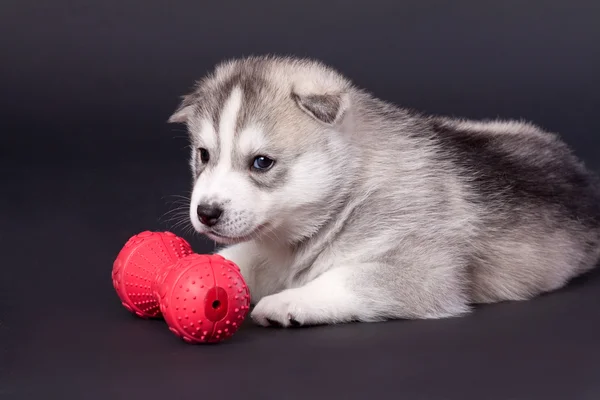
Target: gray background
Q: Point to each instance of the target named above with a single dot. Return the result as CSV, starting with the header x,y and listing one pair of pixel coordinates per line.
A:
x,y
87,160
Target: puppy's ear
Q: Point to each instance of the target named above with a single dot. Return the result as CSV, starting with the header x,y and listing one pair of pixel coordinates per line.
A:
x,y
327,108
183,111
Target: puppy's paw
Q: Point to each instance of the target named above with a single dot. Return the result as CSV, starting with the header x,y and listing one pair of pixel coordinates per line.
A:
x,y
285,309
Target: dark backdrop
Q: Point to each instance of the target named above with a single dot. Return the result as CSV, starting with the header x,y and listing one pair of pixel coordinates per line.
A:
x,y
87,159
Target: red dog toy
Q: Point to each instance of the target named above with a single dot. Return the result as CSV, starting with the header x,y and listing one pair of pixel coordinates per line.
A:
x,y
203,298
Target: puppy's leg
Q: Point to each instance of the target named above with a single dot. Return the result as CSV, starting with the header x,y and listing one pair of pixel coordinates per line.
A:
x,y
366,292
246,256
254,267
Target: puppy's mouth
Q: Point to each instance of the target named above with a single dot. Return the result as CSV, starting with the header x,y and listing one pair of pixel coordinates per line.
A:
x,y
228,240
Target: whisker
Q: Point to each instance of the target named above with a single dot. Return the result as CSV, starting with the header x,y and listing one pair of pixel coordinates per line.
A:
x,y
176,211
271,234
179,196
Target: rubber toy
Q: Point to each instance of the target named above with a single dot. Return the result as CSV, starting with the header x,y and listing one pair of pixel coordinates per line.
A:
x,y
202,298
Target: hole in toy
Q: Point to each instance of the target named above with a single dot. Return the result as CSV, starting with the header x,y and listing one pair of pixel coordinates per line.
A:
x,y
216,304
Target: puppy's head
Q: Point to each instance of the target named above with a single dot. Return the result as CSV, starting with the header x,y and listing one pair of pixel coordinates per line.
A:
x,y
267,147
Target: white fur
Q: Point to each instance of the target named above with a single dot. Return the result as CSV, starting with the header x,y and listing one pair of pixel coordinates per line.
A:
x,y
227,127
251,140
208,135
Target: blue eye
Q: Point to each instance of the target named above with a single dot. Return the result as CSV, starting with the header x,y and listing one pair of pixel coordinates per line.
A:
x,y
262,163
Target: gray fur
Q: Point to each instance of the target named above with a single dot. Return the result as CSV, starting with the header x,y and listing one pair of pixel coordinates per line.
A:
x,y
415,216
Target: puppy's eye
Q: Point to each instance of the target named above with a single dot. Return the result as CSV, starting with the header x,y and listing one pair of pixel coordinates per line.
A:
x,y
262,163
204,155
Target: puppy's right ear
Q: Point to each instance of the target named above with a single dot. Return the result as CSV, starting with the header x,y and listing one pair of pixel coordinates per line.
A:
x,y
184,111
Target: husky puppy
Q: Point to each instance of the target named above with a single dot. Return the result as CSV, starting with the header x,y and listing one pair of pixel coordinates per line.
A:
x,y
338,206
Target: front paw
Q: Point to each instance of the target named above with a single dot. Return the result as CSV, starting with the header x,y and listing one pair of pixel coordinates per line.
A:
x,y
284,309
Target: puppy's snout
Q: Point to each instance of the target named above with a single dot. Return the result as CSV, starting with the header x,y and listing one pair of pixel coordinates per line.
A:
x,y
209,214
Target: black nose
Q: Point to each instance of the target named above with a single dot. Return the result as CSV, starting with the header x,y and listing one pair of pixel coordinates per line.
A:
x,y
209,214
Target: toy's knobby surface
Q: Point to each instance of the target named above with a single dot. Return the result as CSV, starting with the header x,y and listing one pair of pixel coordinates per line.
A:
x,y
203,298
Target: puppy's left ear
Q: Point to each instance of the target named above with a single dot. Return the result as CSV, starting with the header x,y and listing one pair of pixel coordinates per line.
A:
x,y
183,111
326,108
